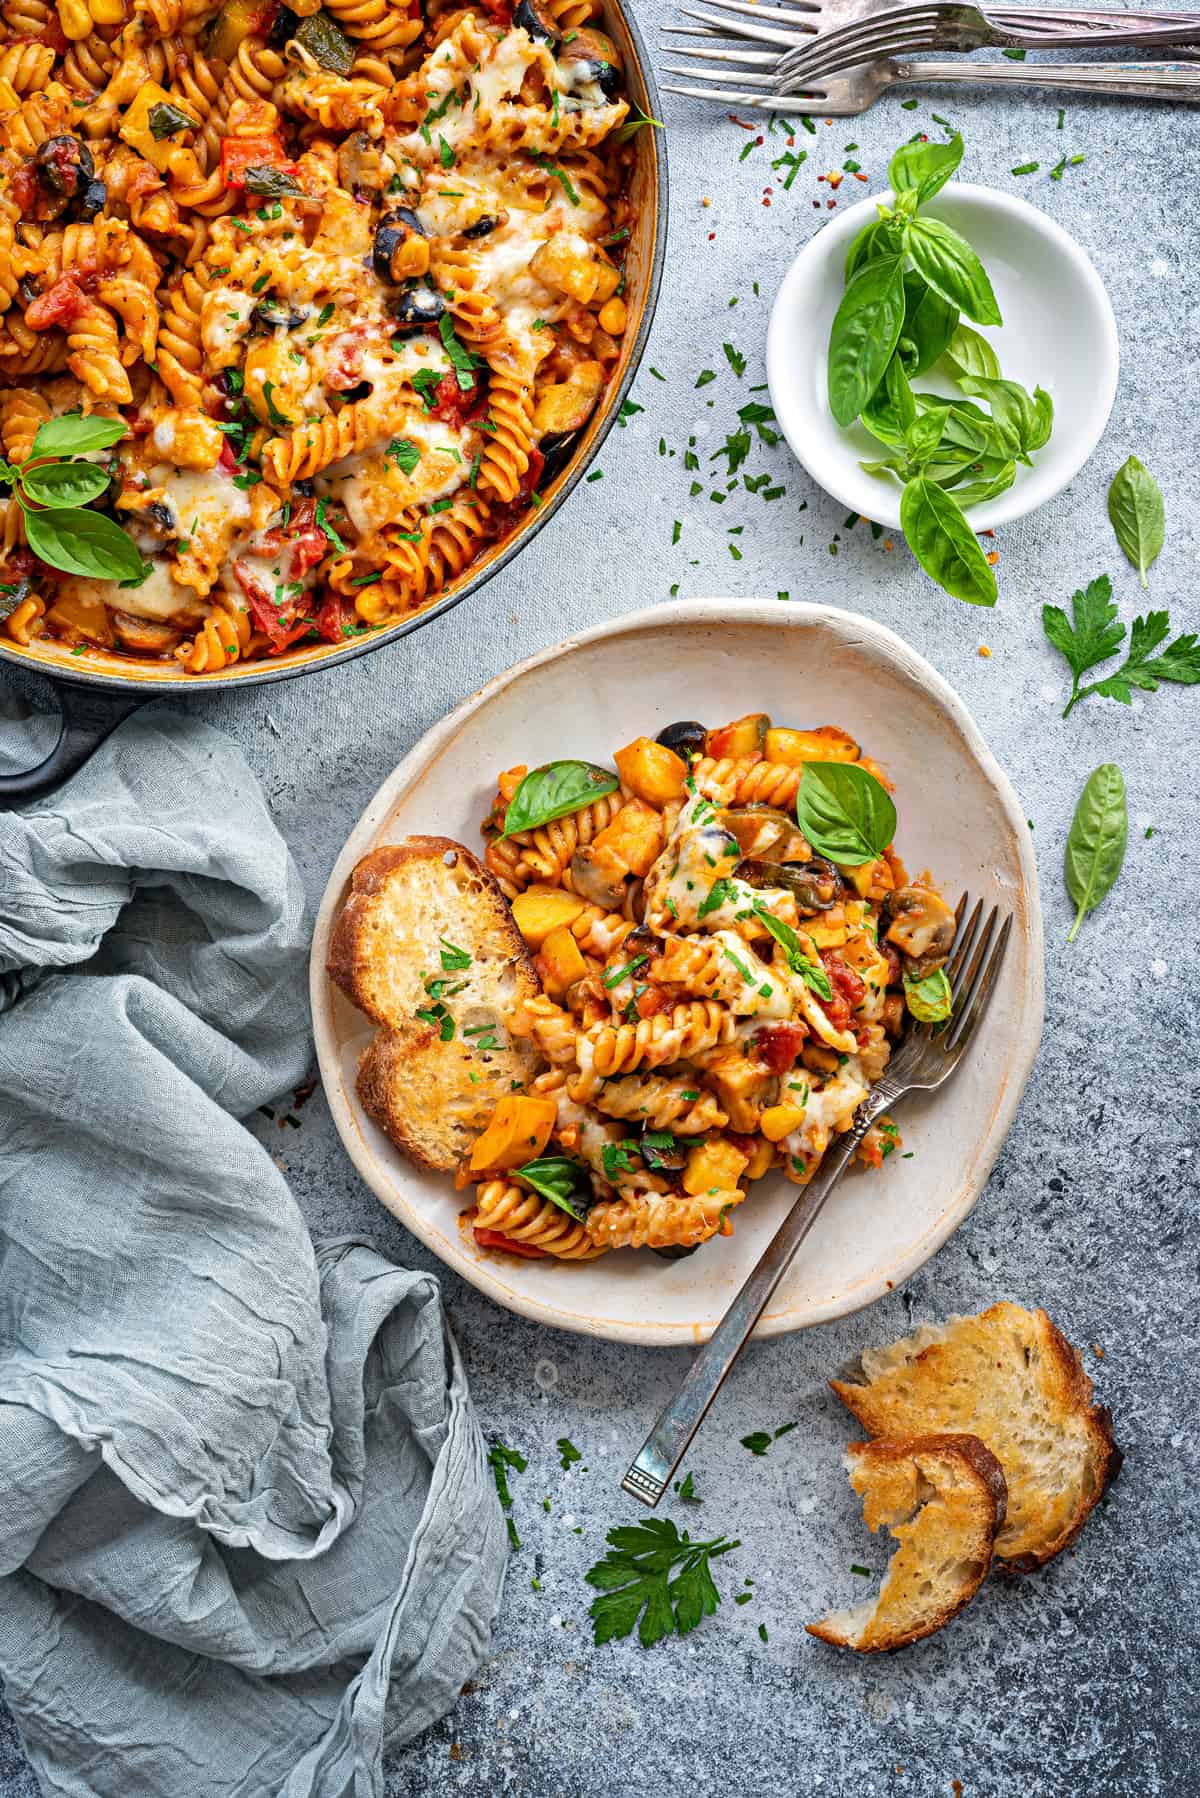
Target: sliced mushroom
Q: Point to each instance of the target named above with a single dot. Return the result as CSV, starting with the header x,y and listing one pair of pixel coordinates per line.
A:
x,y
360,165
921,926
766,832
144,636
598,877
591,58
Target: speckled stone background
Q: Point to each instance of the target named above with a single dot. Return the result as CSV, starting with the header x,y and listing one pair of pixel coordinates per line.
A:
x,y
1080,1680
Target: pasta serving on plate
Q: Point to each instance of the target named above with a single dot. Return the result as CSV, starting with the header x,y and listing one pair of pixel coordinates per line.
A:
x,y
726,944
341,278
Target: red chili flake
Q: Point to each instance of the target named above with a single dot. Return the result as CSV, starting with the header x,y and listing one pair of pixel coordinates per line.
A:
x,y
767,200
758,139
711,235
733,118
791,143
831,204
987,533
859,177
821,177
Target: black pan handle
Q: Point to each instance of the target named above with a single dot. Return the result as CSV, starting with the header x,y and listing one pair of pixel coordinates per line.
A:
x,y
89,715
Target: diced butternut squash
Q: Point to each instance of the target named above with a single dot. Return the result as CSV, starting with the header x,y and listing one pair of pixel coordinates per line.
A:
x,y
79,614
713,1166
826,744
861,954
745,736
561,962
861,878
828,928
135,126
520,1129
652,771
778,1121
539,910
635,837
761,1157
873,768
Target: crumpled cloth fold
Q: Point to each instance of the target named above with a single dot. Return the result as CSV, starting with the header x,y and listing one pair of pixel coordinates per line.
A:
x,y
248,1537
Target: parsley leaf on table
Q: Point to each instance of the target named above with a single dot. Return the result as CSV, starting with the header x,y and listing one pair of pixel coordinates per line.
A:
x,y
634,1581
1092,634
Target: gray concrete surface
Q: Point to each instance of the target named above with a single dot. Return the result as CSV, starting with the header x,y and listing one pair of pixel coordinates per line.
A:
x,y
1081,1680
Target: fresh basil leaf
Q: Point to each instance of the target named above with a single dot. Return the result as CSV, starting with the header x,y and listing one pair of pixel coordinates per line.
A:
x,y
971,354
944,543
1096,841
897,465
924,169
72,435
974,493
947,263
1135,507
965,426
928,997
562,1180
929,324
865,329
896,383
85,543
554,791
1022,419
846,814
880,417
167,119
271,183
63,483
811,972
924,435
882,237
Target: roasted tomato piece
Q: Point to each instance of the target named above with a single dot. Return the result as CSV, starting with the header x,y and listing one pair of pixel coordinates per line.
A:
x,y
332,618
492,1239
459,405
276,618
241,153
779,1045
301,539
848,991
59,305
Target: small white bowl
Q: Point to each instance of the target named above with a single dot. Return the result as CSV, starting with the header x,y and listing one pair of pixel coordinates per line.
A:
x,y
715,659
1058,333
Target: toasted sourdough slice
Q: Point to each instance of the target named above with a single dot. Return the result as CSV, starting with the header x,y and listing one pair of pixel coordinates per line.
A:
x,y
1010,1377
943,1498
407,902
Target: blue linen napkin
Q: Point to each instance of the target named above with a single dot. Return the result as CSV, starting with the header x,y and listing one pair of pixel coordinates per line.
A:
x,y
248,1538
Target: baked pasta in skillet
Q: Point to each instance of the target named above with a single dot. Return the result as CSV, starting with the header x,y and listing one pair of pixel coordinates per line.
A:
x,y
343,276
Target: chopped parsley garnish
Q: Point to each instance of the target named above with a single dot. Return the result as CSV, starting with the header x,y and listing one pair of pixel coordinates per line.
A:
x,y
454,959
568,1452
461,359
616,975
655,1578
735,359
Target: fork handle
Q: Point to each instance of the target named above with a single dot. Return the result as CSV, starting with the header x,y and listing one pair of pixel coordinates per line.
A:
x,y
1064,27
1131,80
667,1442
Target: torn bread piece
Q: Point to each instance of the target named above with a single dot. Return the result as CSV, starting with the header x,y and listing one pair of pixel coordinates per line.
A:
x,y
1010,1377
943,1498
426,946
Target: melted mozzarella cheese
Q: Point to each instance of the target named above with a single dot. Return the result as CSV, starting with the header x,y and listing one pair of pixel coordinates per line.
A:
x,y
376,492
746,983
827,1111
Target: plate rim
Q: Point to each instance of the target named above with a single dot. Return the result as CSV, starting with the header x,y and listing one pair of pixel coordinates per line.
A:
x,y
714,610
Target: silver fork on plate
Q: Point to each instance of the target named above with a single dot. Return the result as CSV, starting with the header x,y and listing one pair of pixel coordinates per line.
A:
x,y
926,1057
854,90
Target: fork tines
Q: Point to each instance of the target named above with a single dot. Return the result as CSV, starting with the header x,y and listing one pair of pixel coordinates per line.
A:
x,y
972,967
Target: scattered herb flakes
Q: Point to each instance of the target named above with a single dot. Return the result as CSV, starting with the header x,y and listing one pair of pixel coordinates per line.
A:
x,y
762,1628
1067,162
500,1459
637,1587
567,1451
863,1572
735,359
758,1442
685,1490
705,376
1026,168
629,409
743,1597
1014,55
676,531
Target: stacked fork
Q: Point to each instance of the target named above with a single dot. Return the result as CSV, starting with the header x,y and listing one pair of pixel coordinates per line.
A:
x,y
837,56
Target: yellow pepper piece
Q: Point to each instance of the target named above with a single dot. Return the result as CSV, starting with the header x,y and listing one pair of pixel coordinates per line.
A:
x,y
778,1121
520,1129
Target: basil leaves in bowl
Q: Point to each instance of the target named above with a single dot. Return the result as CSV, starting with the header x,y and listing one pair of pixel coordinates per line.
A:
x,y
917,319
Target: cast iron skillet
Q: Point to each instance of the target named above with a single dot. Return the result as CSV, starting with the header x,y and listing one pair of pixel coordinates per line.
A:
x,y
97,691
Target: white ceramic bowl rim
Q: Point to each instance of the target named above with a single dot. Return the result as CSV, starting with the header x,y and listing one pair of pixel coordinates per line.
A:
x,y
832,460
489,1277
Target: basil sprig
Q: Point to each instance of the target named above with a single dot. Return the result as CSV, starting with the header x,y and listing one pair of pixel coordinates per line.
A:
x,y
948,454
554,791
1135,508
1096,841
846,814
53,494
811,972
928,996
562,1180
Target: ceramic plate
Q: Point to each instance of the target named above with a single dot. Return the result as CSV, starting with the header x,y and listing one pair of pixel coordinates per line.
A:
x,y
716,659
1041,276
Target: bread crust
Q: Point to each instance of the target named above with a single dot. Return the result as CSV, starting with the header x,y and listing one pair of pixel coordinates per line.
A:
x,y
969,1517
1065,1371
429,1095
